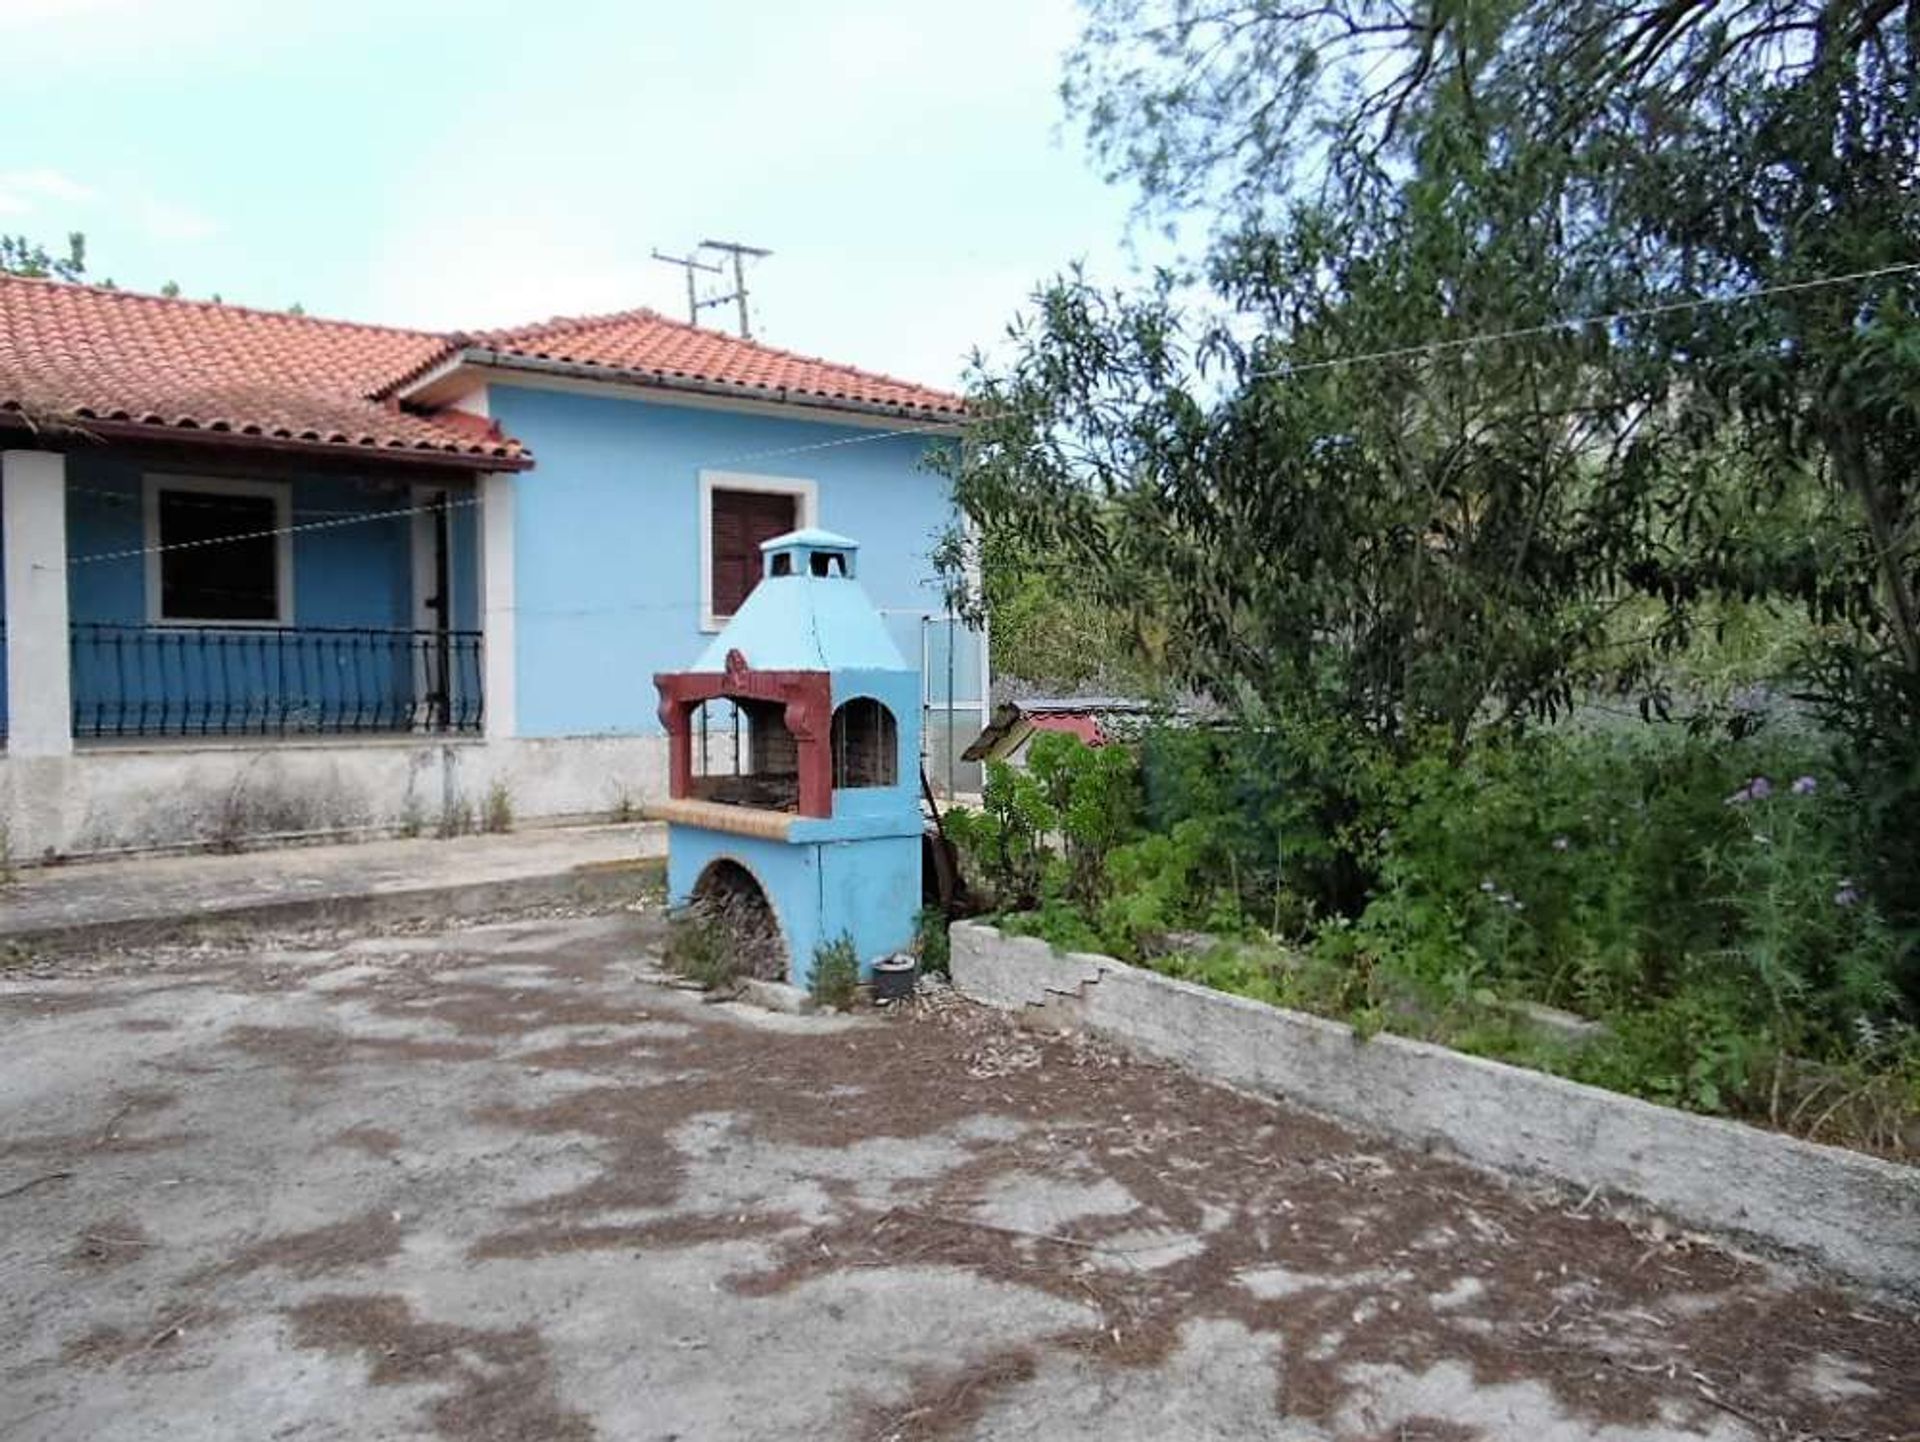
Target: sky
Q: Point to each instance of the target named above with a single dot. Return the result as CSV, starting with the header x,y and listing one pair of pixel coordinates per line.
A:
x,y
465,165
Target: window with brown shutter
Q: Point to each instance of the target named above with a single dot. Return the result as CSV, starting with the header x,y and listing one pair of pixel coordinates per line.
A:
x,y
742,521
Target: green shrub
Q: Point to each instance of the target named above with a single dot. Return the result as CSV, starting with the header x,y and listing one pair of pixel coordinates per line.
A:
x,y
1059,923
497,813
1697,1049
931,942
703,949
1699,896
1166,882
1292,805
1092,796
456,818
836,973
1001,845
1047,829
1569,869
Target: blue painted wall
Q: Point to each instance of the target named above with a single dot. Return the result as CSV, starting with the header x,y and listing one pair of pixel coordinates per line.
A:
x,y
355,576
607,539
867,890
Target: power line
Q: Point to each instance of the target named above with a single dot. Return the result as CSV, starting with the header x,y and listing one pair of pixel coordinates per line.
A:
x,y
1554,327
931,428
350,519
1403,352
944,427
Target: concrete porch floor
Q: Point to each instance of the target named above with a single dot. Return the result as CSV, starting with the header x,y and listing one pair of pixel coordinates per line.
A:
x,y
369,880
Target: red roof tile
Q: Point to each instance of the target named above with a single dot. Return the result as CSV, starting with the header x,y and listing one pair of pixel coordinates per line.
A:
x,y
120,363
78,354
649,344
1086,727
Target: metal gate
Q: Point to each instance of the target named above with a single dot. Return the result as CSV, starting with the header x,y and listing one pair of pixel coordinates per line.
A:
x,y
954,663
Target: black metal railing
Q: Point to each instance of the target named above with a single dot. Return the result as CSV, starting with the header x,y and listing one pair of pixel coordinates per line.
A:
x,y
272,680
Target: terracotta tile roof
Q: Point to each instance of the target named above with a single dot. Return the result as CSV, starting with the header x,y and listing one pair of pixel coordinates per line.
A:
x,y
646,343
119,361
1096,720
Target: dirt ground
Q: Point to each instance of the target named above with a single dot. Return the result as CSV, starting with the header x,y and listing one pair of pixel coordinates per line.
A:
x,y
501,1182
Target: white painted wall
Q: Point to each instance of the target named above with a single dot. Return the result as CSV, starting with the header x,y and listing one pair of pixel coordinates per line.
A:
x,y
33,514
109,799
497,606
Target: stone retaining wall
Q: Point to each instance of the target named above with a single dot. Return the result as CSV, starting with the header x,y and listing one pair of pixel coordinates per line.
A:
x,y
1855,1214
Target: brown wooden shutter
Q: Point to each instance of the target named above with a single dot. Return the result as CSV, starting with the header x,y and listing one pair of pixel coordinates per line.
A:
x,y
742,520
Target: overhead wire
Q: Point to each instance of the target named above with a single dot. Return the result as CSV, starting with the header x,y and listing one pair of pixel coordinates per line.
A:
x,y
1286,371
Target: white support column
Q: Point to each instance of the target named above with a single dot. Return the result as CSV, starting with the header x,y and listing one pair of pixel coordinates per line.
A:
x,y
497,603
33,512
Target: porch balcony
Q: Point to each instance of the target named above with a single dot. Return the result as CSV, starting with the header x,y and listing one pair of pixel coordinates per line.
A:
x,y
165,594
132,681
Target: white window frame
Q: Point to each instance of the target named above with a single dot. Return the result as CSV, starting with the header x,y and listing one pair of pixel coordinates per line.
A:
x,y
805,491
279,492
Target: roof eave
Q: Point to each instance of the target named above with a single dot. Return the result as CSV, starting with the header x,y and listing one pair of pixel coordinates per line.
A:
x,y
65,430
443,379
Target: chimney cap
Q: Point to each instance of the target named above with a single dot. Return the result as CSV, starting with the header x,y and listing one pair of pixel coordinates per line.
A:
x,y
810,538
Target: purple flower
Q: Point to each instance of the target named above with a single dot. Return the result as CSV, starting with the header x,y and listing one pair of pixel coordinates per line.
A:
x,y
1759,788
1846,895
1805,786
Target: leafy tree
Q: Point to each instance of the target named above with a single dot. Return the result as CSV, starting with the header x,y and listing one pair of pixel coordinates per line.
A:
x,y
1051,629
1348,494
1402,543
1679,150
21,256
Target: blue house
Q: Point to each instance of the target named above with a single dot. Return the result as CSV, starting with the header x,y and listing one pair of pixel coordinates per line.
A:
x,y
268,575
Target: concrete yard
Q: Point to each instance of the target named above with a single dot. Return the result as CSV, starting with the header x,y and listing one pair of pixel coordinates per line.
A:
x,y
500,1181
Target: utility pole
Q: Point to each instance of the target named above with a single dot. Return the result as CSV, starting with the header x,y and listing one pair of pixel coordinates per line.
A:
x,y
739,253
690,265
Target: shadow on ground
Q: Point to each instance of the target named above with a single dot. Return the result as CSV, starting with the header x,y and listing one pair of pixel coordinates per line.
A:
x,y
500,1182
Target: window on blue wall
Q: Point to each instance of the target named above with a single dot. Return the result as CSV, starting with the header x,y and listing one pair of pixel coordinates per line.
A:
x,y
218,550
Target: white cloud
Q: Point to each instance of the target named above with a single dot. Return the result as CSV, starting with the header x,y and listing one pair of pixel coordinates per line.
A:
x,y
54,196
23,191
166,220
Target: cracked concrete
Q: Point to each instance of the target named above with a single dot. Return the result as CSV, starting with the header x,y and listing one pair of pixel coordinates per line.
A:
x,y
501,1182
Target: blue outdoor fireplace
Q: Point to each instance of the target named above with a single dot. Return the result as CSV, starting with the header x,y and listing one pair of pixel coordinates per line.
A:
x,y
795,761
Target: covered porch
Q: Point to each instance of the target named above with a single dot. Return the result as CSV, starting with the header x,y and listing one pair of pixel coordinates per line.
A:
x,y
192,592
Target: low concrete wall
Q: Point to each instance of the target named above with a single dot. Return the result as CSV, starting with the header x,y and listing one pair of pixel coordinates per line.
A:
x,y
1855,1214
115,798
